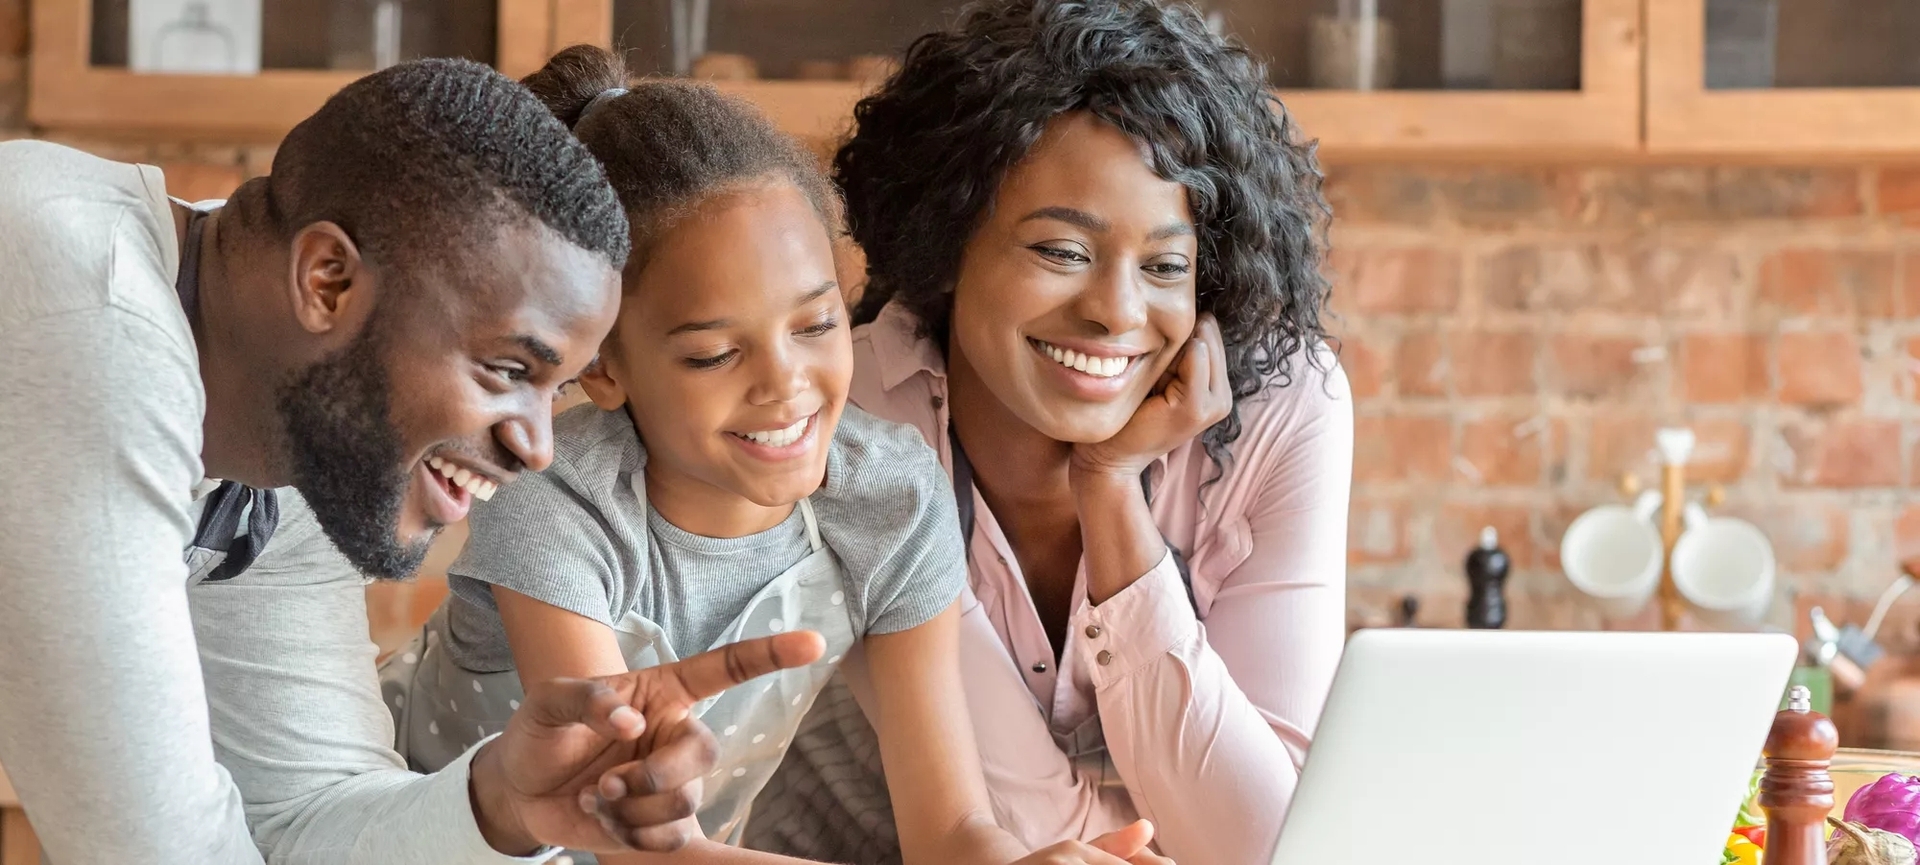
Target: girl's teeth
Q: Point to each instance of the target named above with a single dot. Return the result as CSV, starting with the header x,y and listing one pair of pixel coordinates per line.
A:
x,y
781,437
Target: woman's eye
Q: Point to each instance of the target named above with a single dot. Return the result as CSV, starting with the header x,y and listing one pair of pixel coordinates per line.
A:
x,y
1061,254
709,362
1169,268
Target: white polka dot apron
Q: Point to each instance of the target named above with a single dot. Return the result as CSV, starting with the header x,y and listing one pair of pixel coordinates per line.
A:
x,y
754,722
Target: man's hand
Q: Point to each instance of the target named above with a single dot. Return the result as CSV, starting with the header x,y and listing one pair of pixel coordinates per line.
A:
x,y
612,764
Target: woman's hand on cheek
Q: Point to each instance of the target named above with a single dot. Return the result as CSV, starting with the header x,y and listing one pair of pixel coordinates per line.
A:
x,y
1192,395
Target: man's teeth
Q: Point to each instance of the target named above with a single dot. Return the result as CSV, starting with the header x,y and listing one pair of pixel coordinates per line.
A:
x,y
1102,367
779,438
480,487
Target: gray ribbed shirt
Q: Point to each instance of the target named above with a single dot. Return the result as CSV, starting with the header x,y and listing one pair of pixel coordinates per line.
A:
x,y
576,537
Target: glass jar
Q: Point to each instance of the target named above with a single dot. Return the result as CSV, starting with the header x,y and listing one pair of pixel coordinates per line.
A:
x,y
1350,46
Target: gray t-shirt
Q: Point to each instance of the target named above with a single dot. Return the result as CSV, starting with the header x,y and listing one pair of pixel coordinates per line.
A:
x,y
575,536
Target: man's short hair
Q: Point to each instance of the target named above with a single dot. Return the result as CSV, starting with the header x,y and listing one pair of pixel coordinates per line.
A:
x,y
424,161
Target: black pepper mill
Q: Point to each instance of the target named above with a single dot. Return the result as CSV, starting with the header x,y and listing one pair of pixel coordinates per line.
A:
x,y
1487,570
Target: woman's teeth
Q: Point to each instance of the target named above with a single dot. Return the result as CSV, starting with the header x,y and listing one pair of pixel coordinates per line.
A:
x,y
480,487
779,438
1101,367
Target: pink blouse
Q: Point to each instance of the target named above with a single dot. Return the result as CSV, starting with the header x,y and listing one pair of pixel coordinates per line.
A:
x,y
1206,719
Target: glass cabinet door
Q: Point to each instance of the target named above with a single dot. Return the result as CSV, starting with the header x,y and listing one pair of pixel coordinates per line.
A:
x,y
744,40
248,36
1307,44
1756,44
1411,44
1814,79
1361,76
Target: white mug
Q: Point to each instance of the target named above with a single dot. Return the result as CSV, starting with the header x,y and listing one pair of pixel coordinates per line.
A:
x,y
1612,554
1723,567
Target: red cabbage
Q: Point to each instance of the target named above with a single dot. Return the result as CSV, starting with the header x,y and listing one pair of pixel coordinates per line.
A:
x,y
1891,803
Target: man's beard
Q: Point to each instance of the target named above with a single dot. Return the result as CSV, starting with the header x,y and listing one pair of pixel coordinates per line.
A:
x,y
348,462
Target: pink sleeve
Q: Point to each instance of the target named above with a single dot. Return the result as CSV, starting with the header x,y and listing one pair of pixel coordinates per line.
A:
x,y
1209,722
1036,794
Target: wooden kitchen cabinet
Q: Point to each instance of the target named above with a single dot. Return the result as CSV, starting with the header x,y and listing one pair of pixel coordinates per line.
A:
x,y
1786,79
309,49
1546,76
1449,79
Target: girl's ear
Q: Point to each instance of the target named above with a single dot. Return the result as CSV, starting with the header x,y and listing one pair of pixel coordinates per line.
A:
x,y
601,386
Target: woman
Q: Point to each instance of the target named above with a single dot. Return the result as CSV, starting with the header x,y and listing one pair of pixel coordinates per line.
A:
x,y
1092,247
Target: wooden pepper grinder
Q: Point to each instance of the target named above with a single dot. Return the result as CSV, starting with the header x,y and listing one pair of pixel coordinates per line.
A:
x,y
1796,792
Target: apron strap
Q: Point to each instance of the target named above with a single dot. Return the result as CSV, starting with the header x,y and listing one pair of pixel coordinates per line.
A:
x,y
220,524
813,526
963,502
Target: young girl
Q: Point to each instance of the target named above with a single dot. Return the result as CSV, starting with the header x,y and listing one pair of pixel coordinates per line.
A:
x,y
718,489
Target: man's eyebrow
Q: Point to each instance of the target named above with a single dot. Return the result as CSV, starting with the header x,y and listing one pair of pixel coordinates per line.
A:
x,y
538,347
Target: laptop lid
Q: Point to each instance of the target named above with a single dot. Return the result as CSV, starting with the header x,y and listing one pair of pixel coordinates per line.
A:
x,y
1516,748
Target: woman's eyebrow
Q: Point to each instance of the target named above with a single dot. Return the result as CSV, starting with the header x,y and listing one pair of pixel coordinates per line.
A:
x,y
1071,216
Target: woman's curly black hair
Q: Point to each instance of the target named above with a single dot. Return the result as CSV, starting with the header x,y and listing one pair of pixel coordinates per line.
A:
x,y
931,146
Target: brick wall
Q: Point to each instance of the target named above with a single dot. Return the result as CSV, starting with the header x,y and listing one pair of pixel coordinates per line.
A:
x,y
1515,335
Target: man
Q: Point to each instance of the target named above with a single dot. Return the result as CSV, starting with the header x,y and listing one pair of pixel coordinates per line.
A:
x,y
382,325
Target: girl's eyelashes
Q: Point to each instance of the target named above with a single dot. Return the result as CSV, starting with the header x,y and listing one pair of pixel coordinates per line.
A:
x,y
714,361
709,362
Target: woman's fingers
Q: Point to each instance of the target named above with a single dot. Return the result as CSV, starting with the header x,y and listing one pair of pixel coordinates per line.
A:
x,y
1216,391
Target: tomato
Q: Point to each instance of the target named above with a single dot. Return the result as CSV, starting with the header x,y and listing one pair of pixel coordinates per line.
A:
x,y
1756,834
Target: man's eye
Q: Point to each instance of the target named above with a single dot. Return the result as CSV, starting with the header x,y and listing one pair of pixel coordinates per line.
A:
x,y
510,372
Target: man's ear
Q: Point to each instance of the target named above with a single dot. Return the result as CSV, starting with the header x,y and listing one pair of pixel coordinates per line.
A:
x,y
601,387
331,285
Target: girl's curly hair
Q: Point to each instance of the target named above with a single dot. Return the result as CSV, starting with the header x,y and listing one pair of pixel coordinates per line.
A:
x,y
931,146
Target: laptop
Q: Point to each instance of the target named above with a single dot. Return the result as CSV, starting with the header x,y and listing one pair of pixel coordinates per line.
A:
x,y
1452,747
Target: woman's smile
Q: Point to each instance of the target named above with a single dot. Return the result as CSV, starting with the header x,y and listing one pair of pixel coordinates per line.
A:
x,y
1090,371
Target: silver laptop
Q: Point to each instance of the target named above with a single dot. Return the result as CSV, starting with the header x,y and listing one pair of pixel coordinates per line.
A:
x,y
1518,748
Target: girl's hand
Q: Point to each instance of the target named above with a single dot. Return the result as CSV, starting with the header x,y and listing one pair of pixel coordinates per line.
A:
x,y
616,763
1126,846
1192,395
